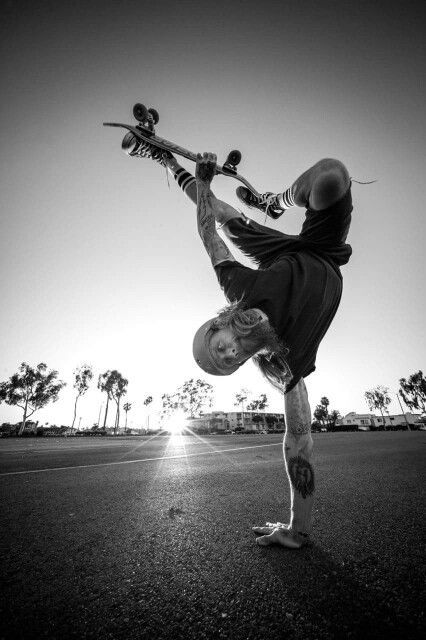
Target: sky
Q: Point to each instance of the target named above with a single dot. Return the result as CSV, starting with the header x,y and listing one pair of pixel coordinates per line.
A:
x,y
100,259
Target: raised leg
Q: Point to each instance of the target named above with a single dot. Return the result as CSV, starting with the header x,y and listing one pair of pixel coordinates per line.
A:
x,y
321,185
318,188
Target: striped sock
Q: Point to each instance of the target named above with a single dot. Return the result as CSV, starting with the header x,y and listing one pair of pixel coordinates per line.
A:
x,y
183,178
286,199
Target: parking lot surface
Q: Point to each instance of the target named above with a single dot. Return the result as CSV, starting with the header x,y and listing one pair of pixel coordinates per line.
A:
x,y
151,538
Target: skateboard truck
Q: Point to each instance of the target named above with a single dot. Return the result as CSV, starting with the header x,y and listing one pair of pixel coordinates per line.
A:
x,y
147,118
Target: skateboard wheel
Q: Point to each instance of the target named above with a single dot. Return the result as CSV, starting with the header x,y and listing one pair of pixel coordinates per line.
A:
x,y
155,115
234,158
140,112
130,143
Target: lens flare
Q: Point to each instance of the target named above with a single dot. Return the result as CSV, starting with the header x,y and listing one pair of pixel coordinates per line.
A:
x,y
176,424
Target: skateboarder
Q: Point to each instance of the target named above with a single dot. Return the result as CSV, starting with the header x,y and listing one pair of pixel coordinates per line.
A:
x,y
279,312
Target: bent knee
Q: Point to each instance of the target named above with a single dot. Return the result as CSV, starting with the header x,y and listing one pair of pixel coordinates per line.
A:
x,y
330,185
332,164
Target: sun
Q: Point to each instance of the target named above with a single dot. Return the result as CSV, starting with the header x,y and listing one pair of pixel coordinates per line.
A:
x,y
176,423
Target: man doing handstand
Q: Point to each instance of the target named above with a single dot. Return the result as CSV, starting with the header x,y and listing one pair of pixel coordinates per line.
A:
x,y
279,312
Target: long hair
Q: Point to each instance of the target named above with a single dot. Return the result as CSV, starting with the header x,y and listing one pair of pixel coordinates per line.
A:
x,y
271,357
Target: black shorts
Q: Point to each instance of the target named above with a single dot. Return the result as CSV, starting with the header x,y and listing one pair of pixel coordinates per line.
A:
x,y
323,233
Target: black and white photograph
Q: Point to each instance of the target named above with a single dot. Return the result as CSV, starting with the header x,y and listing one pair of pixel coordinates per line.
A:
x,y
212,326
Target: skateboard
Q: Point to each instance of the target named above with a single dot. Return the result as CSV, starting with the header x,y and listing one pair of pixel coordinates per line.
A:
x,y
145,132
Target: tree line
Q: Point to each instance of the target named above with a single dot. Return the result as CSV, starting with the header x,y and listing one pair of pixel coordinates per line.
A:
x,y
33,388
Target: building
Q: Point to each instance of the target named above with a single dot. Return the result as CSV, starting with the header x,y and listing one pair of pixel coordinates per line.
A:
x,y
247,421
369,421
399,421
362,421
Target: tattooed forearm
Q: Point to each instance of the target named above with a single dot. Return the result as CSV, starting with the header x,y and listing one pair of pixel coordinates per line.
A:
x,y
215,246
205,218
301,476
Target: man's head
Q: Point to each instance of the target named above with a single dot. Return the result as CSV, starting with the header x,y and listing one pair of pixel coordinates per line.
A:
x,y
222,344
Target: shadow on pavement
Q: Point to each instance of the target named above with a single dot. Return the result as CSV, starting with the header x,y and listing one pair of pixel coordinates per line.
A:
x,y
339,599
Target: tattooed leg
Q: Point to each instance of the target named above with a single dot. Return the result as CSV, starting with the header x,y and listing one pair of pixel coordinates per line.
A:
x,y
298,447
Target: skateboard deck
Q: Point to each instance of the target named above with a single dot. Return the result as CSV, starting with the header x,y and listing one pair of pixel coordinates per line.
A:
x,y
145,132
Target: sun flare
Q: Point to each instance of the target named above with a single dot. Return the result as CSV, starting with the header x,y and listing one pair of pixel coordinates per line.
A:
x,y
176,423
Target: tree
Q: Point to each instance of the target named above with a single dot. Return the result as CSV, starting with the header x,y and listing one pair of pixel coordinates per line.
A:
x,y
325,417
193,395
325,402
258,404
333,417
240,399
413,391
105,382
257,418
147,402
127,406
168,405
320,414
118,390
378,398
271,420
31,389
82,377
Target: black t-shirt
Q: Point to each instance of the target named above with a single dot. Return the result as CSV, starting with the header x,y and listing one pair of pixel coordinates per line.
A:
x,y
300,294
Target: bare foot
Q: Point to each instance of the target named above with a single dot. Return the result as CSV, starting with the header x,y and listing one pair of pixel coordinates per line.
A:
x,y
279,533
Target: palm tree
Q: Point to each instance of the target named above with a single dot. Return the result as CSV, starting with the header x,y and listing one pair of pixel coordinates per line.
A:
x,y
105,382
325,403
240,399
118,390
126,408
147,402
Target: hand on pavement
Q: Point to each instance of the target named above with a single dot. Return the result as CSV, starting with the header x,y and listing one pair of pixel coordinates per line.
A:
x,y
279,533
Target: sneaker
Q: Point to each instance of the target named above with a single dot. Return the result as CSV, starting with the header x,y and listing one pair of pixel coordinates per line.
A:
x,y
132,146
267,202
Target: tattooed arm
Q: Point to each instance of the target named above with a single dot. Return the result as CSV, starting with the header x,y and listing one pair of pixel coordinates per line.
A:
x,y
298,448
210,210
298,445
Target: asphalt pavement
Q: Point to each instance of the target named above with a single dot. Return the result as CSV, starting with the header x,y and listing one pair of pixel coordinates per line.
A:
x,y
151,538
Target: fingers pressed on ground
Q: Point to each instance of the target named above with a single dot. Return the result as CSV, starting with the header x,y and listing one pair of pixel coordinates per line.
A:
x,y
265,541
281,537
262,530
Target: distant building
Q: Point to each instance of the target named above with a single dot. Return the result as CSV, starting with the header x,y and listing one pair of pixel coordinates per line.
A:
x,y
369,421
398,420
249,421
358,420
